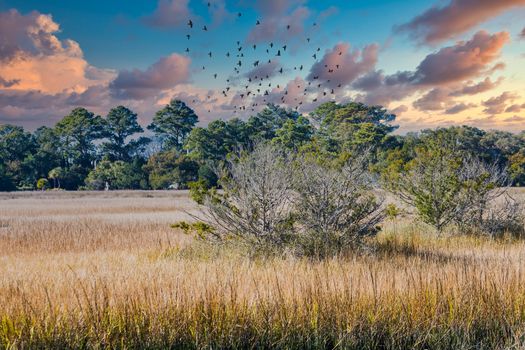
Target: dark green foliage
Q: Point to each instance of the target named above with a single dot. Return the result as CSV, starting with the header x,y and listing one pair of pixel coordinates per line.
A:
x,y
78,131
173,123
170,169
121,124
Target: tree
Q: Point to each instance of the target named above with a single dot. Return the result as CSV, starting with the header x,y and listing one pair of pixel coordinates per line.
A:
x,y
56,174
335,205
294,133
170,168
264,125
78,131
173,123
255,206
121,124
16,146
447,186
354,125
42,184
118,175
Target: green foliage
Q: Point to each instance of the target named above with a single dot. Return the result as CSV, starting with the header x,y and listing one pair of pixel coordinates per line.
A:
x,y
173,123
118,175
78,131
42,184
201,229
294,134
121,124
171,169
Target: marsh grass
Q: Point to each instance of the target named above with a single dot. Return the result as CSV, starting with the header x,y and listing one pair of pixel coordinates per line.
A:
x,y
115,275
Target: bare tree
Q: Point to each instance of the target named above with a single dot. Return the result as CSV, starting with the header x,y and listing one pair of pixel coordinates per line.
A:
x,y
254,205
336,206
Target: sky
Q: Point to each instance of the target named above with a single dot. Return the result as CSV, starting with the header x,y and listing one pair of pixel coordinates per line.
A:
x,y
432,63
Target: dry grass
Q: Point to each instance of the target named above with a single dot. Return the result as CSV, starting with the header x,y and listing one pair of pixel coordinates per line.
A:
x,y
94,270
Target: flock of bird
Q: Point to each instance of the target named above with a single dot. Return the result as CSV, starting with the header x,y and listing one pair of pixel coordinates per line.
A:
x,y
261,86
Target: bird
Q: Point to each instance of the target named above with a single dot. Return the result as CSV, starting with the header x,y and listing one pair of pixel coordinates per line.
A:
x,y
209,54
227,54
288,27
258,23
187,49
271,44
239,14
209,4
284,47
254,46
278,53
215,76
190,23
205,28
308,39
314,56
256,63
188,36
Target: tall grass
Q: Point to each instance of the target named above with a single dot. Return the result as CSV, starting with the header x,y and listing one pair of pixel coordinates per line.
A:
x,y
97,279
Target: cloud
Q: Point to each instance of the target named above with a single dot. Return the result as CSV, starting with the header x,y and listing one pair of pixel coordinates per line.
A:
x,y
264,70
218,10
341,66
434,100
442,72
473,89
462,61
163,74
399,110
497,105
169,14
32,57
275,26
441,23
515,108
458,108
8,83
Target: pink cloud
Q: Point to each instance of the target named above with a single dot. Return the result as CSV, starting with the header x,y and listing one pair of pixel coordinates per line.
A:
x,y
169,13
441,23
464,60
341,66
163,74
498,104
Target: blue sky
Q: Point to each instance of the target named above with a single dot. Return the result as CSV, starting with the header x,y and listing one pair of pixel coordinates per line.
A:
x,y
120,42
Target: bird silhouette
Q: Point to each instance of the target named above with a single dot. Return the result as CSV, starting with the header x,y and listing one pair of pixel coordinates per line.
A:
x,y
190,23
258,22
205,28
188,36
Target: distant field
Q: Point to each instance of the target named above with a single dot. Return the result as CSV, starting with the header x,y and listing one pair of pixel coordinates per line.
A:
x,y
104,269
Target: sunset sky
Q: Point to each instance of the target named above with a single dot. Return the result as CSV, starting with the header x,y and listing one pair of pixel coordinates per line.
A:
x,y
433,63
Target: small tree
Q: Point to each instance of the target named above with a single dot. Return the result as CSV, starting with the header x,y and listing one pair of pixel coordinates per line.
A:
x,y
447,186
335,205
56,174
42,184
255,205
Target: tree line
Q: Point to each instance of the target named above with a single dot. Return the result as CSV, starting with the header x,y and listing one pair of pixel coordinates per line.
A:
x,y
87,151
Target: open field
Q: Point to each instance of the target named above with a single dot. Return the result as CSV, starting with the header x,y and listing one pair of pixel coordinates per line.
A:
x,y
92,270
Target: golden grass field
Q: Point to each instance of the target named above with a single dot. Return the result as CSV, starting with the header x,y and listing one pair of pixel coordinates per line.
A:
x,y
105,270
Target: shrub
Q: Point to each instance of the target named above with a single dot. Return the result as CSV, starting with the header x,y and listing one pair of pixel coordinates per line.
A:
x,y
335,206
42,184
254,206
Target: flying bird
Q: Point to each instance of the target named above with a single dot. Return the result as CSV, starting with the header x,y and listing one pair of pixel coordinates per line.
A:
x,y
190,23
205,28
258,22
